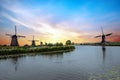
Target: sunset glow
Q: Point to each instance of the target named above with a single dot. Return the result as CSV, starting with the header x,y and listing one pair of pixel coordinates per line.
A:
x,y
54,21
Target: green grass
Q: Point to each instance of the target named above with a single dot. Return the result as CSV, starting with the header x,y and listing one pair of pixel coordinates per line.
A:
x,y
21,50
97,44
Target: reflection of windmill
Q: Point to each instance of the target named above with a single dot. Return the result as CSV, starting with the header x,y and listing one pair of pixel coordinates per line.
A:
x,y
104,57
15,62
33,41
103,37
14,41
104,53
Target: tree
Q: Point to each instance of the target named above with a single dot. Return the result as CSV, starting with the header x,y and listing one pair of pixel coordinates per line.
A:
x,y
50,44
46,44
68,42
59,44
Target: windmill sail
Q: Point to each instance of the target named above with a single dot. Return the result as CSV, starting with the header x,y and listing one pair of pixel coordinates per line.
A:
x,y
36,40
15,31
9,35
108,34
33,37
102,30
97,36
20,36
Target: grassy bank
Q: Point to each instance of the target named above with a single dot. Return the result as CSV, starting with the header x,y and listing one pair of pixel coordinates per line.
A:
x,y
26,50
98,44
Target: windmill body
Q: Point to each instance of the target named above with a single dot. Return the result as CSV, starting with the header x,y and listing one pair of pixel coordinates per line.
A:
x,y
41,43
14,38
14,41
33,43
103,39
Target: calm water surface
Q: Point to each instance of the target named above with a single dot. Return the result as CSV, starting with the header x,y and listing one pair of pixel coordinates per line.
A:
x,y
76,65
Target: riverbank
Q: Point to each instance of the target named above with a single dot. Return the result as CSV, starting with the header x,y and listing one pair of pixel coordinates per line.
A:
x,y
98,44
22,51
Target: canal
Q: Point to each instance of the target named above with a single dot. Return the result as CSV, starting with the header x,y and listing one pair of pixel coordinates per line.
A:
x,y
84,63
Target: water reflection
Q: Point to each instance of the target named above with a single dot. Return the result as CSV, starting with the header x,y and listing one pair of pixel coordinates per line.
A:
x,y
52,54
104,53
15,61
55,57
49,55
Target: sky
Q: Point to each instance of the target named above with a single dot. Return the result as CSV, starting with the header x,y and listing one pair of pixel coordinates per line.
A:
x,y
54,21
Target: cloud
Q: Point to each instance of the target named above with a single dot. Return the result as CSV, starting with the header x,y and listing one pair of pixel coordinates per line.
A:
x,y
42,24
80,26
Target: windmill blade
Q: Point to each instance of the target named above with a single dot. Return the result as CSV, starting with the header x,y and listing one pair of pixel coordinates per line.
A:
x,y
36,40
108,34
97,36
8,34
29,40
15,30
33,37
102,30
21,36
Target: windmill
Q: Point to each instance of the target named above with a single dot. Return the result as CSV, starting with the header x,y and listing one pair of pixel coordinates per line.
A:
x,y
41,43
103,36
14,40
33,41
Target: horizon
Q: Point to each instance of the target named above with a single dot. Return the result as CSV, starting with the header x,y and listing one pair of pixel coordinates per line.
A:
x,y
54,21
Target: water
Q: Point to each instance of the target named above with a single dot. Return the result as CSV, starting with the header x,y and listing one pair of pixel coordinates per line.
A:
x,y
81,64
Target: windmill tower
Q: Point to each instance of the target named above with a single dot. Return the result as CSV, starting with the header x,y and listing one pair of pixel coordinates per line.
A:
x,y
14,40
33,41
103,37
